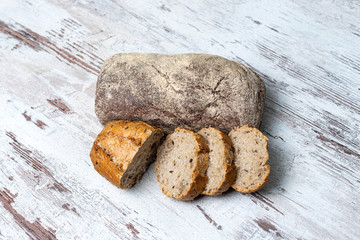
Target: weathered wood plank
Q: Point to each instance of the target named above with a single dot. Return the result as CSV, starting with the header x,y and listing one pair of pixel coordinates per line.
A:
x,y
309,59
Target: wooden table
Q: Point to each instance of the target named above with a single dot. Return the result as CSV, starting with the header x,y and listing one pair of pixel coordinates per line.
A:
x,y
308,54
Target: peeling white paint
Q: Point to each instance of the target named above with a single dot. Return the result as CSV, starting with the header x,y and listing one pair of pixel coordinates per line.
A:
x,y
308,58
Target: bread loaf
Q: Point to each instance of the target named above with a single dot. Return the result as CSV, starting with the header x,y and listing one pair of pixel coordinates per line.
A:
x,y
123,150
180,165
221,172
188,90
250,158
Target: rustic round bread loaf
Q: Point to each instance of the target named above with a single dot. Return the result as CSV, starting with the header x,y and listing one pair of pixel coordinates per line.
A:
x,y
123,150
186,90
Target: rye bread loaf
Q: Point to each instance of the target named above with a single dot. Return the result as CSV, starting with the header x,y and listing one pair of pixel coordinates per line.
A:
x,y
180,165
123,150
250,158
187,90
221,172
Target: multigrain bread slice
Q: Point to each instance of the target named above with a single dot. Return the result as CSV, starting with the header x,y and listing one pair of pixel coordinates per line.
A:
x,y
123,150
221,173
250,158
180,165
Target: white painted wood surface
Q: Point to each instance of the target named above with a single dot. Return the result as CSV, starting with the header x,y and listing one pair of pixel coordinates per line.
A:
x,y
308,53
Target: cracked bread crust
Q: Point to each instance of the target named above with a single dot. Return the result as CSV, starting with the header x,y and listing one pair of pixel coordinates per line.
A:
x,y
221,171
187,90
250,158
122,151
165,165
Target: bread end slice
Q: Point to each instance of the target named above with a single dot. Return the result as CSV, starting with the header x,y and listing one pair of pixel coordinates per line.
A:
x,y
250,158
123,150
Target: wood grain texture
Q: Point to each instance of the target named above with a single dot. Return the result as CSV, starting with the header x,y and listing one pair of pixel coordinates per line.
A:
x,y
308,54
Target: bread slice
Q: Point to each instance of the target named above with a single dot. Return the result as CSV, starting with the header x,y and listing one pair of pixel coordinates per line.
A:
x,y
250,158
123,150
180,165
221,173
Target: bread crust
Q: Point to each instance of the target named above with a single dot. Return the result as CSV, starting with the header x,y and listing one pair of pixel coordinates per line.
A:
x,y
198,176
255,188
230,169
116,145
261,184
187,90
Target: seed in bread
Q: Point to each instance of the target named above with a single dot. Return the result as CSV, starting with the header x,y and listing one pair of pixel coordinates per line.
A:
x,y
250,158
221,173
123,150
180,165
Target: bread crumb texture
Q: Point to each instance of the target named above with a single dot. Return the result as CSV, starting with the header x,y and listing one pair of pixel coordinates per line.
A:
x,y
181,162
221,171
250,158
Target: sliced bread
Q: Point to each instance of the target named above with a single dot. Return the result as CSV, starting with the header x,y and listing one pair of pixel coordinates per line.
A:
x,y
123,150
250,158
180,165
221,173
